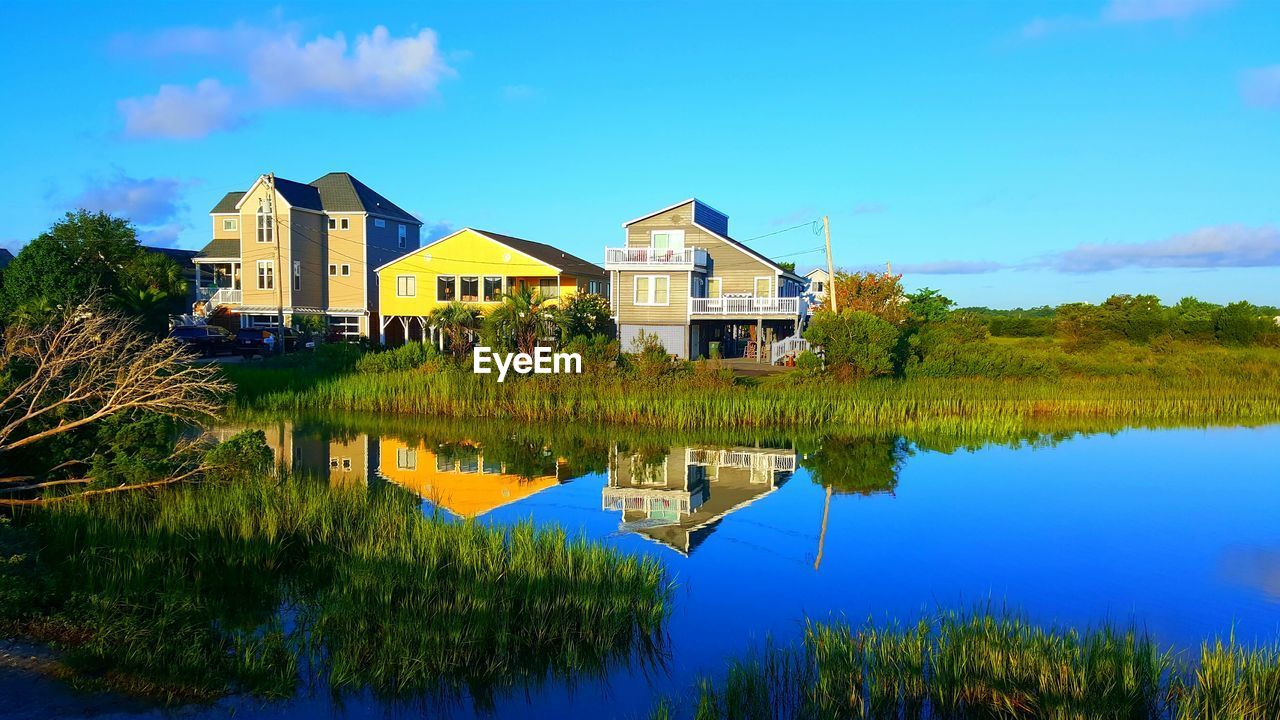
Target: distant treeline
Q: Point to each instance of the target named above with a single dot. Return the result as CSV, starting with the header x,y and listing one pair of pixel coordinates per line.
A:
x,y
1137,318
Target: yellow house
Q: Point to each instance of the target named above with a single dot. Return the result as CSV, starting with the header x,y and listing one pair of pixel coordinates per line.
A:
x,y
475,267
465,483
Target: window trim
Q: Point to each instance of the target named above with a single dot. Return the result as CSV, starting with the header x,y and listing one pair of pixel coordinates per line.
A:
x,y
402,236
333,223
501,284
453,278
230,224
755,285
676,246
266,228
266,275
345,269
379,223
333,269
297,274
652,300
344,224
412,286
719,281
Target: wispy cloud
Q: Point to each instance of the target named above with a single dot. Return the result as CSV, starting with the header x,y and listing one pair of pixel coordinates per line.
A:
x,y
1260,87
1121,12
376,71
163,236
1224,246
951,267
181,112
869,208
145,201
436,229
519,93
798,215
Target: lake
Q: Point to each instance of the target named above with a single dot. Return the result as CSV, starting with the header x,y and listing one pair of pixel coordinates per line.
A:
x,y
1173,530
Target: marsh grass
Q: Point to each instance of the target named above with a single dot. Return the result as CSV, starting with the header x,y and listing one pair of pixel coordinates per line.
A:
x,y
987,664
259,585
1119,383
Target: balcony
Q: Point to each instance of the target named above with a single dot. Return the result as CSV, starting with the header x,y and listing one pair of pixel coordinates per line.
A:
x,y
648,258
745,305
216,296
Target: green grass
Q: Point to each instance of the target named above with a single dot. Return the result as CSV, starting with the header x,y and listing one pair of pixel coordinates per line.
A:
x,y
260,585
986,665
1119,384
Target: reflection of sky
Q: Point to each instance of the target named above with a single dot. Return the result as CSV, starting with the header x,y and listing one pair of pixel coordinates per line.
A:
x,y
1173,529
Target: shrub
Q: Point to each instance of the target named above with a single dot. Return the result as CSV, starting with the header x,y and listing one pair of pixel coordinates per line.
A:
x,y
243,455
583,314
1001,326
599,353
406,357
1240,323
1082,326
809,362
855,343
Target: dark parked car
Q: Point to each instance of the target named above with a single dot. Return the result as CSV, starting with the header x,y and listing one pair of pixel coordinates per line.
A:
x,y
253,341
208,340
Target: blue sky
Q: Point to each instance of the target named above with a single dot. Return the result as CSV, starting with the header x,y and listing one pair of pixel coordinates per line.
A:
x,y
1010,153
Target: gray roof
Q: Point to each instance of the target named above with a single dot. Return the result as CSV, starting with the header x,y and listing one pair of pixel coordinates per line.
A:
x,y
228,202
571,264
6,257
340,192
336,192
220,248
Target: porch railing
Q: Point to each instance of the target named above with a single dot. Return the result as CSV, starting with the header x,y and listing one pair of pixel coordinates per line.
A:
x,y
745,305
793,345
640,256
215,296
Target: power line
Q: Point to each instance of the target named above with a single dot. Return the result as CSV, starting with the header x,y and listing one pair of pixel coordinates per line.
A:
x,y
814,225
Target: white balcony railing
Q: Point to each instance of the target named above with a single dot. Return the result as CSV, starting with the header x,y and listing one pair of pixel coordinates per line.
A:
x,y
648,256
215,296
745,305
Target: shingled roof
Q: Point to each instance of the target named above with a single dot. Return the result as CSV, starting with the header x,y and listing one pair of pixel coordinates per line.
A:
x,y
340,192
553,256
337,192
220,248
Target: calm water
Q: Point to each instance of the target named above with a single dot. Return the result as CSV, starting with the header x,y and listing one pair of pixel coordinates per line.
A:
x,y
1175,530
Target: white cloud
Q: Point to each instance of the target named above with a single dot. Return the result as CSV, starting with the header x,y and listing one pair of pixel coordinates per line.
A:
x,y
379,70
1260,87
434,230
1221,246
145,201
162,236
1128,11
951,267
1121,12
375,71
181,112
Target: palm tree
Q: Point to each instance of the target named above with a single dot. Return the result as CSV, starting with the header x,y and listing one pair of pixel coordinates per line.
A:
x,y
458,323
523,318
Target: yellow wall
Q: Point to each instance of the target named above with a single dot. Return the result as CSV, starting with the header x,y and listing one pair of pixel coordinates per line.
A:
x,y
463,488
466,253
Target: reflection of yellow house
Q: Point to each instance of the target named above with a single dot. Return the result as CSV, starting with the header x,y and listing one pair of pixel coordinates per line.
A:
x,y
677,500
475,267
464,483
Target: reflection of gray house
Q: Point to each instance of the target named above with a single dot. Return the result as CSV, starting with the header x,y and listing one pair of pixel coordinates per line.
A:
x,y
677,499
340,460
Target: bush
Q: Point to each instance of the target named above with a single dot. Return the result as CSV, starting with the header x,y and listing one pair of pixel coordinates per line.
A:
x,y
809,362
599,353
1001,326
406,357
1241,323
243,455
583,314
978,359
857,344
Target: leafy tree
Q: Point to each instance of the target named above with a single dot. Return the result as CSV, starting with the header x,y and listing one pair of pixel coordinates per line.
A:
x,y
1195,318
1241,323
523,318
929,305
1082,325
788,265
880,294
858,465
583,315
459,324
856,343
1137,318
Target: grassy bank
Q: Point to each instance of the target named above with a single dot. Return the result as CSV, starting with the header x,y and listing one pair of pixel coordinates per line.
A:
x,y
988,665
267,585
1115,384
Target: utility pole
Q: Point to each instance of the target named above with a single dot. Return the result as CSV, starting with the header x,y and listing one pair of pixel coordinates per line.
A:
x,y
888,268
831,268
277,273
822,536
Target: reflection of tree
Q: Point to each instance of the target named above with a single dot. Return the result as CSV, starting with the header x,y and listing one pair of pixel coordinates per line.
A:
x,y
858,465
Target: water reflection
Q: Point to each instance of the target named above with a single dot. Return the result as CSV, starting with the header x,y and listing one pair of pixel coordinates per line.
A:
x,y
675,496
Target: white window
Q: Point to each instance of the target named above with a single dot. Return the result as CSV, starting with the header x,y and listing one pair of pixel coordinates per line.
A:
x,y
403,236
379,223
667,239
333,269
297,274
715,287
228,224
346,463
653,290
492,288
406,286
764,286
345,223
470,291
333,224
266,275
547,288
406,458
346,269
266,229
344,326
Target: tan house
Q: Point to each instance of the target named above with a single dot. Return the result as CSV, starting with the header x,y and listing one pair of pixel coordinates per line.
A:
x,y
308,249
682,278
